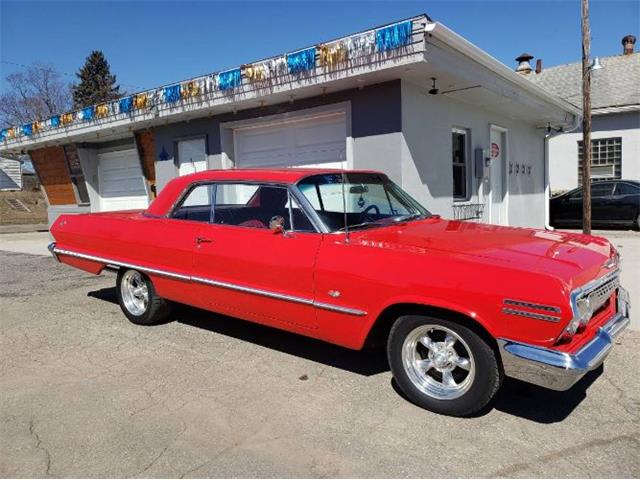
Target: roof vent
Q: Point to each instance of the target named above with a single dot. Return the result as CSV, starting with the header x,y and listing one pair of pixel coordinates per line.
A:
x,y
523,64
628,44
538,65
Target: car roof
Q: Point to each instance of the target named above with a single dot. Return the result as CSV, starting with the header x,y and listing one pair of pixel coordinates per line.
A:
x,y
276,175
289,176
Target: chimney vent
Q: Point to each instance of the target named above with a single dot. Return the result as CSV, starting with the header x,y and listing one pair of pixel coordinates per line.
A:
x,y
538,65
628,44
523,64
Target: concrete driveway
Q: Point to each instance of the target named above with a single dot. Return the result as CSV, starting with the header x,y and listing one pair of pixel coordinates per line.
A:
x,y
84,393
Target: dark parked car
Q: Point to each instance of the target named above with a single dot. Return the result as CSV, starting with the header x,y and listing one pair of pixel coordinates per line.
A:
x,y
613,203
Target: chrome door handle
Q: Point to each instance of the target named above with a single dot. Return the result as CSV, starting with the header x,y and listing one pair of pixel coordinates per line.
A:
x,y
200,240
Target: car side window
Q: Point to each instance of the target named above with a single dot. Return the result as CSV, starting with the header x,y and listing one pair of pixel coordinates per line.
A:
x,y
627,189
576,195
601,189
258,206
196,204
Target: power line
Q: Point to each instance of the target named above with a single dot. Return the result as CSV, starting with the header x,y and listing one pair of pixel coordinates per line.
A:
x,y
136,87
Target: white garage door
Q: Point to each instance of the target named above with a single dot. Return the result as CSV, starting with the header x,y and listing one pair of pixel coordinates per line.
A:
x,y
121,181
318,141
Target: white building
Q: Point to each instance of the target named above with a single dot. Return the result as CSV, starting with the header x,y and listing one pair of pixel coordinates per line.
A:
x,y
460,131
615,134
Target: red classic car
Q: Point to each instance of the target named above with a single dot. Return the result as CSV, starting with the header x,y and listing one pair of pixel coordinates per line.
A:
x,y
352,259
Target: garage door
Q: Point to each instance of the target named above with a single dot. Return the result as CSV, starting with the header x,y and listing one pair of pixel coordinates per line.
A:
x,y
121,181
318,141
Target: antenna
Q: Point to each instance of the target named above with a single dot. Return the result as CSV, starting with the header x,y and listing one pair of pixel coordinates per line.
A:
x,y
344,203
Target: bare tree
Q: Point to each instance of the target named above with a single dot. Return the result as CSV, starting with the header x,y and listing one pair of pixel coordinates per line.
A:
x,y
34,94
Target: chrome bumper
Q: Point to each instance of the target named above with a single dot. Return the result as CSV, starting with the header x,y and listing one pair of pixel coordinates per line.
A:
x,y
52,250
559,370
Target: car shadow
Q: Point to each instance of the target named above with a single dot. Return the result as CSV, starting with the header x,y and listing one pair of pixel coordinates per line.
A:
x,y
364,362
540,404
515,397
531,402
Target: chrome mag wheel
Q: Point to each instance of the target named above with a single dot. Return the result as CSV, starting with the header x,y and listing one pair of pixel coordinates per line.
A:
x,y
438,362
135,293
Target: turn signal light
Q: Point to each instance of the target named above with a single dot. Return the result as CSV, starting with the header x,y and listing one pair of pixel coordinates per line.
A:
x,y
571,329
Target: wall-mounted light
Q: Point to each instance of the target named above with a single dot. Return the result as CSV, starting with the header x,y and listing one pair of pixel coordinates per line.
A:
x,y
434,89
595,65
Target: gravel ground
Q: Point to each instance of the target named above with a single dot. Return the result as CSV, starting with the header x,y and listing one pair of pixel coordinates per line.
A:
x,y
84,393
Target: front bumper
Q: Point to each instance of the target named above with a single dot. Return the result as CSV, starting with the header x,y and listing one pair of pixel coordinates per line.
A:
x,y
559,370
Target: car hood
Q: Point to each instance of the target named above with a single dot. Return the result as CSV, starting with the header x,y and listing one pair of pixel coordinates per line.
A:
x,y
571,257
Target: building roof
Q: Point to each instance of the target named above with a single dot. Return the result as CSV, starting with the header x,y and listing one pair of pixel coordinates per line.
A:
x,y
413,49
614,87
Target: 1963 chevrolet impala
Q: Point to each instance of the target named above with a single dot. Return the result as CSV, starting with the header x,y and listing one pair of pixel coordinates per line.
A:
x,y
350,258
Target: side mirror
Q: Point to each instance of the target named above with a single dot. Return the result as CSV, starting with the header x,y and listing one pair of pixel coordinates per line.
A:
x,y
276,224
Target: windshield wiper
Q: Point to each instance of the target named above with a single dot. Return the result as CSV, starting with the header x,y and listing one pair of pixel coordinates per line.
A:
x,y
357,225
386,221
408,218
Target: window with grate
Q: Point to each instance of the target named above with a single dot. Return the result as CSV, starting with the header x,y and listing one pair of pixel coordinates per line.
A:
x,y
606,159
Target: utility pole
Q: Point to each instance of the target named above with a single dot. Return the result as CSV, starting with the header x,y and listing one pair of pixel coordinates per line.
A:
x,y
586,119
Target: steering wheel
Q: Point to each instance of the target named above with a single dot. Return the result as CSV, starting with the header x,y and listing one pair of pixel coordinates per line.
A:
x,y
364,215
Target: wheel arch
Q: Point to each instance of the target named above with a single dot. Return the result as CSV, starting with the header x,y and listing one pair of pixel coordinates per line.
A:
x,y
379,331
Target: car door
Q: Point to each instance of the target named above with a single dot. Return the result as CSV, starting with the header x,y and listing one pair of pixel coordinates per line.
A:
x,y
626,202
172,243
255,260
602,207
567,209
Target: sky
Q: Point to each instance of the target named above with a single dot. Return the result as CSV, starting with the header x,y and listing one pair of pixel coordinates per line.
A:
x,y
149,44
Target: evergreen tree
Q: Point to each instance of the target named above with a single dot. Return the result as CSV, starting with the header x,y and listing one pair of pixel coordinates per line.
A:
x,y
97,83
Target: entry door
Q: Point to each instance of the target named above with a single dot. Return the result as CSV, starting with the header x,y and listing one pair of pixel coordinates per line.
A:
x,y
497,171
316,141
192,156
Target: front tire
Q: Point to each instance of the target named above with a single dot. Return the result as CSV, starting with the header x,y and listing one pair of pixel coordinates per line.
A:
x,y
138,299
442,366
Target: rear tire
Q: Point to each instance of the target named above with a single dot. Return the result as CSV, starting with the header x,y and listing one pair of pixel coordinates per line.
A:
x,y
442,366
138,299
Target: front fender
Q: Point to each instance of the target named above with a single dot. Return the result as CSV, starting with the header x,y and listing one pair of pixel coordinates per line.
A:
x,y
488,322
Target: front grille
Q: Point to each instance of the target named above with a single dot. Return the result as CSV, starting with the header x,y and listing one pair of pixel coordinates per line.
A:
x,y
599,295
598,292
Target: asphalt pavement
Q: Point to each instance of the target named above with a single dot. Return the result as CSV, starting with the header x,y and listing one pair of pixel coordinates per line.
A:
x,y
85,393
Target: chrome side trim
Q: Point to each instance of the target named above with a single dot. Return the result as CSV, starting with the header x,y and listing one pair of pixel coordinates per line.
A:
x,y
111,262
537,316
216,283
534,306
337,308
240,288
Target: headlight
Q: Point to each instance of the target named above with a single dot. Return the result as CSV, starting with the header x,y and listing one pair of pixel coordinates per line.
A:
x,y
584,310
615,259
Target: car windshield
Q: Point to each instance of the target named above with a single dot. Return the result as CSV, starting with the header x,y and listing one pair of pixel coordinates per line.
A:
x,y
370,200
